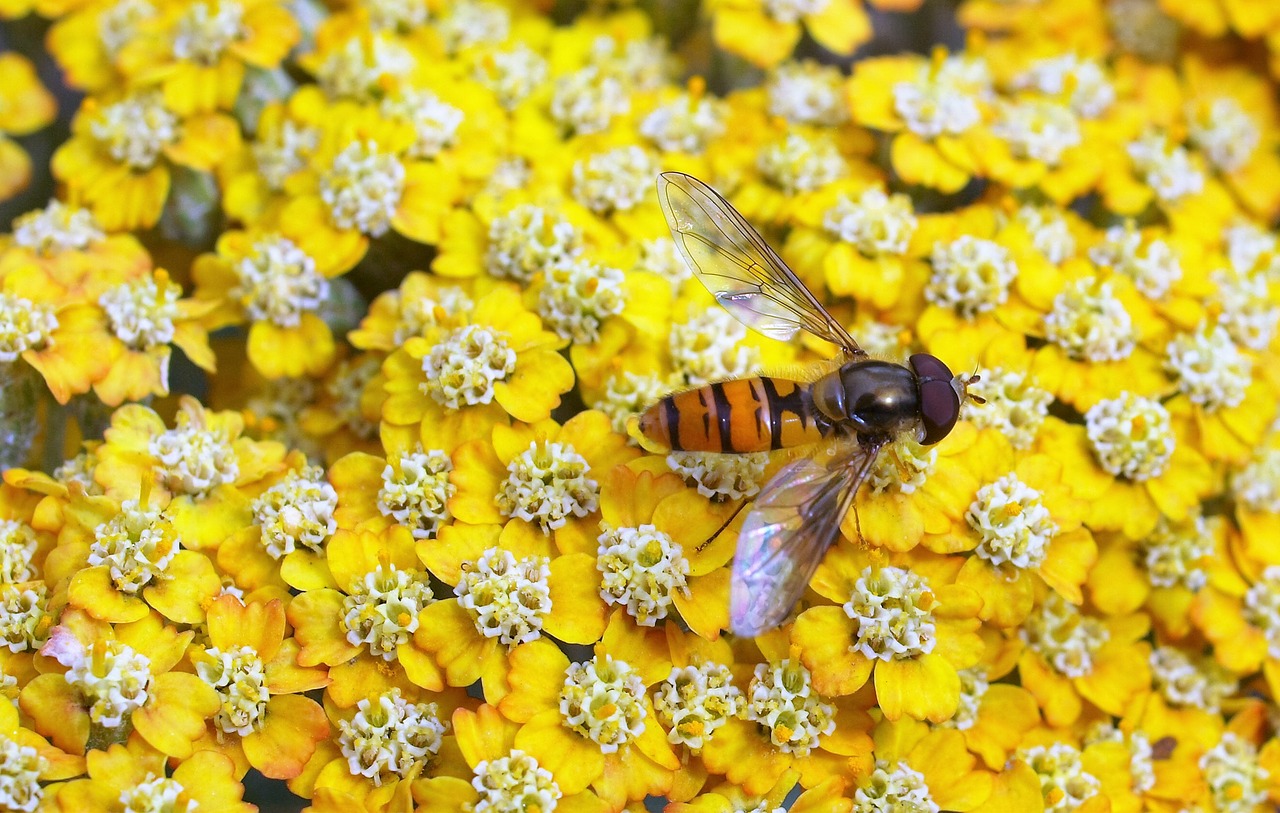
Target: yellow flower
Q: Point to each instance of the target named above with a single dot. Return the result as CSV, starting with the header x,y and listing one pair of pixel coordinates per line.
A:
x,y
30,760
254,177
730,798
421,302
914,762
25,106
764,32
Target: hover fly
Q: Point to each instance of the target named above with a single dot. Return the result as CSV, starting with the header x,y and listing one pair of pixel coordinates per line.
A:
x,y
851,408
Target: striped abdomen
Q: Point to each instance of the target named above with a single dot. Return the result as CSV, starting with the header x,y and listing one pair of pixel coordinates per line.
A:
x,y
743,415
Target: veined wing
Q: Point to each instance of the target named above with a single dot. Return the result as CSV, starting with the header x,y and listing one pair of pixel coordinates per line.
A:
x,y
795,519
742,272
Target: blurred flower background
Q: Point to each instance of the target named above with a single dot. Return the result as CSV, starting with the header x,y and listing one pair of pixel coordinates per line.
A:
x,y
321,323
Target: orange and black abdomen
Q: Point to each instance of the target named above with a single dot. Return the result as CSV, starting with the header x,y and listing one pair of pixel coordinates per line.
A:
x,y
742,415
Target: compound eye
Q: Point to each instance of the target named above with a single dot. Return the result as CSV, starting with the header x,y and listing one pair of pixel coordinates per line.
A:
x,y
939,402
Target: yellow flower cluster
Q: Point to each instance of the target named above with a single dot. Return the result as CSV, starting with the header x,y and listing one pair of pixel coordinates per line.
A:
x,y
403,555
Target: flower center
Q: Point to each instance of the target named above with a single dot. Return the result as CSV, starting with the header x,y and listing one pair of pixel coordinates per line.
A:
x,y
279,282
660,256
1257,486
970,276
614,181
1090,323
507,597
515,782
389,737
113,680
240,679
156,794
1251,248
399,16
685,124
362,188
204,32
641,568
381,609
18,545
192,459
706,348
1236,779
1153,267
417,315
416,490
1166,167
1262,607
135,130
604,702
435,122
1131,436
694,701
721,477
903,465
1175,554
56,228
464,364
578,296
296,511
1013,523
547,483
527,240
781,698
807,92
585,101
24,326
346,387
973,687
283,151
118,24
1197,684
790,11
1085,84
142,312
877,224
364,67
1245,308
1209,367
1062,636
511,74
932,106
896,788
1064,784
1050,233
20,769
627,393
1015,406
1224,132
1038,130
24,619
472,22
137,545
893,608
801,164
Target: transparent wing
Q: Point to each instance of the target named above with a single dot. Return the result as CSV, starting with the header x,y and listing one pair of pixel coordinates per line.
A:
x,y
795,519
739,268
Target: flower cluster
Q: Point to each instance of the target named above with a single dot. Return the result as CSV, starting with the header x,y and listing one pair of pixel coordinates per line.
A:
x,y
406,551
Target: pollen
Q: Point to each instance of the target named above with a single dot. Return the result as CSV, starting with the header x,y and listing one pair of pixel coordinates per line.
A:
x,y
1090,323
1153,265
474,22
708,348
1064,783
527,240
434,122
781,699
415,491
464,364
548,483
1165,167
721,477
627,393
1083,83
141,313
1037,129
935,105
239,677
24,616
603,701
381,609
695,701
903,465
205,30
279,283
1132,436
578,296
1065,638
362,188
1224,131
1209,368
641,568
20,770
515,782
194,459
18,545
508,598
1012,522
1192,683
587,100
892,609
807,92
790,11
297,511
877,224
136,545
614,181
685,124
57,228
891,788
135,130
1050,233
1175,554
1015,405
113,680
1237,780
391,738
800,163
24,326
970,276
511,74
362,68
119,24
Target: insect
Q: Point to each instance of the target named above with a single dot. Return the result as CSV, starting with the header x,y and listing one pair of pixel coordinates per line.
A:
x,y
851,408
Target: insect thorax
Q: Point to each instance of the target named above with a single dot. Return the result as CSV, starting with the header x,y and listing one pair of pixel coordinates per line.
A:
x,y
877,397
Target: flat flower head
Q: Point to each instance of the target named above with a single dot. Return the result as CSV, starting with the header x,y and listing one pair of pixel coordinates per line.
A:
x,y
135,776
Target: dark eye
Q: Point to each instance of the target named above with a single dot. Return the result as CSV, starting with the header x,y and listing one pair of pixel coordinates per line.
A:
x,y
939,403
